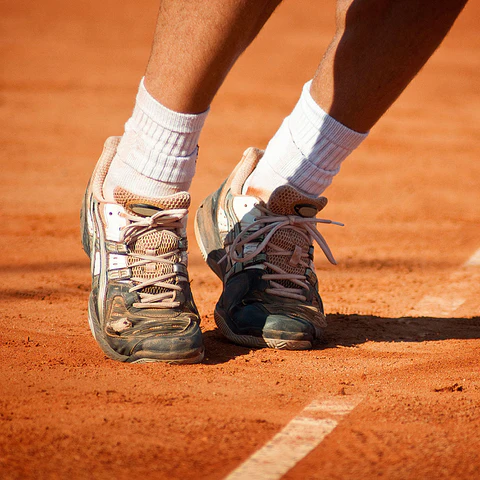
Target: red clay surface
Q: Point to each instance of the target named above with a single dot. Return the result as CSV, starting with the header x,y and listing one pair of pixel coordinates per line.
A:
x,y
409,197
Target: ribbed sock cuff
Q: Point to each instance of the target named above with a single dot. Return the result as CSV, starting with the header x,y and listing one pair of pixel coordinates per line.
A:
x,y
308,122
153,164
159,143
127,177
307,150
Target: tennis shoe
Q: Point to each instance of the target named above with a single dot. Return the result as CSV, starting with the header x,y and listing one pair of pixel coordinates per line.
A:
x,y
141,308
263,253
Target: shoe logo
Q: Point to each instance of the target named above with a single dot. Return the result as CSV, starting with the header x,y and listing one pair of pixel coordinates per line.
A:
x,y
305,210
144,209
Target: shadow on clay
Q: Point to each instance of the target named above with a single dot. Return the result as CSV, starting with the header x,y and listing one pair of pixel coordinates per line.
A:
x,y
352,330
220,350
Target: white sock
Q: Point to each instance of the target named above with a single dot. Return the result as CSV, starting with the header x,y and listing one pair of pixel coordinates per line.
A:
x,y
158,151
306,152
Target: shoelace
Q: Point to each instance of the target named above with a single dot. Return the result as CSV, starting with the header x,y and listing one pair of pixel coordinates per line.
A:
x,y
165,219
272,222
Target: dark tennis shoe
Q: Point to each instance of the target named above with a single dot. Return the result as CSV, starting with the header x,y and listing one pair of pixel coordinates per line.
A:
x,y
141,308
264,255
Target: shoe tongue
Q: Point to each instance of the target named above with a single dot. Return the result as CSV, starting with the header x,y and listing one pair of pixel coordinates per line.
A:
x,y
287,200
147,206
157,241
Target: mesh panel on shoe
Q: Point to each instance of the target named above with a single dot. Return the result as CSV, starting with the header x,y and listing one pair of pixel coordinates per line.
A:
x,y
286,239
170,202
157,242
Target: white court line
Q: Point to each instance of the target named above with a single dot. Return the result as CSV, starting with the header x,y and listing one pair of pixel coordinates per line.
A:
x,y
295,441
430,306
452,295
474,260
306,431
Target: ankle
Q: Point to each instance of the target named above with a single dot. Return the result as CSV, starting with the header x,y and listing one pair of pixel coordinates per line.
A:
x,y
306,151
123,175
158,151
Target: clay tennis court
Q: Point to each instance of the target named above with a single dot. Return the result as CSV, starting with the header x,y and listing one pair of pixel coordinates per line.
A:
x,y
403,342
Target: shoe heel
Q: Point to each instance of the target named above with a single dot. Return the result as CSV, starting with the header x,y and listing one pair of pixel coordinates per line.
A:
x,y
84,234
206,233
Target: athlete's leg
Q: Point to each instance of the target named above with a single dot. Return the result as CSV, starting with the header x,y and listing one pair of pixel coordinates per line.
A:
x,y
378,48
134,217
264,251
196,44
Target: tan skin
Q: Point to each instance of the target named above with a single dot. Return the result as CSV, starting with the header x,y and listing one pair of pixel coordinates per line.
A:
x,y
196,44
378,48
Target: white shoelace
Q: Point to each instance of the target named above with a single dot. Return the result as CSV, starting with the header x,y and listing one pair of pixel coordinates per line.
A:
x,y
268,225
168,220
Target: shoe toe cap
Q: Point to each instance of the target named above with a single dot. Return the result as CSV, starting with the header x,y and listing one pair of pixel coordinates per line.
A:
x,y
256,319
161,344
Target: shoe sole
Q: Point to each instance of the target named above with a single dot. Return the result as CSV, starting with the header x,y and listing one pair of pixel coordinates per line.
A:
x,y
259,342
189,357
204,229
